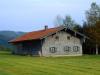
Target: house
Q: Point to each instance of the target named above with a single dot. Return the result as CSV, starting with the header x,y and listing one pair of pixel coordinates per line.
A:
x,y
59,41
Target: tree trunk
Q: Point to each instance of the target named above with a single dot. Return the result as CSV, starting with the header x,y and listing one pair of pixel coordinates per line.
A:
x,y
96,49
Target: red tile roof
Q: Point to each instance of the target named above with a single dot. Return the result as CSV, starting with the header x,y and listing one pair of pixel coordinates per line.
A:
x,y
35,35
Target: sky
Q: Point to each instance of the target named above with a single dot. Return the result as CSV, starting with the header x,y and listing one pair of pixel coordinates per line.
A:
x,y
31,15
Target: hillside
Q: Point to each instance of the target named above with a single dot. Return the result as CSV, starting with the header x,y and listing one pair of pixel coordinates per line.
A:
x,y
6,36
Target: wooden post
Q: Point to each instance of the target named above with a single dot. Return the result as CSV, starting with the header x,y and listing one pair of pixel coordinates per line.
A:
x,y
84,40
96,49
41,48
75,34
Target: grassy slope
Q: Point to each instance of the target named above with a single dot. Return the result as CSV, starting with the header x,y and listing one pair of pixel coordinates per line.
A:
x,y
25,65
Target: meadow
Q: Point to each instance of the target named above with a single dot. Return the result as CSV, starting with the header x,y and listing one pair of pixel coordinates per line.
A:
x,y
26,65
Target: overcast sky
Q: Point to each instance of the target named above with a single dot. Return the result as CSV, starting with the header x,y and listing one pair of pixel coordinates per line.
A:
x,y
30,15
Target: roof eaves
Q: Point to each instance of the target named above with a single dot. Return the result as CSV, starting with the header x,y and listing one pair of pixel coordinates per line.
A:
x,y
79,33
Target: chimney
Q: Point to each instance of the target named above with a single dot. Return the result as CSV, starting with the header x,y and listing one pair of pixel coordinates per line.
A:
x,y
46,27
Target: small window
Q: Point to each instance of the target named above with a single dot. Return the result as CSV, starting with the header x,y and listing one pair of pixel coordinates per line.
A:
x,y
76,48
53,50
52,35
57,37
67,49
68,37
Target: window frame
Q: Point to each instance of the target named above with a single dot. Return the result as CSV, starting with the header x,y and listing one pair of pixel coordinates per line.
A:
x,y
57,37
52,49
67,48
68,37
76,48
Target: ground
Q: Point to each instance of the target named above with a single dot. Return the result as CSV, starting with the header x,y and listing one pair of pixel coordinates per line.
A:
x,y
26,65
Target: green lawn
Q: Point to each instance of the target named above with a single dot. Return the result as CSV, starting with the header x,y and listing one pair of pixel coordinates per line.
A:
x,y
26,65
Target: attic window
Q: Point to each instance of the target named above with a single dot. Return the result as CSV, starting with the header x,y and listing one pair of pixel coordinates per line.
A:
x,y
52,35
57,37
68,37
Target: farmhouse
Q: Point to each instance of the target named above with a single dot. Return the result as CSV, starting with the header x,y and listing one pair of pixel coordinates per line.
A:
x,y
59,41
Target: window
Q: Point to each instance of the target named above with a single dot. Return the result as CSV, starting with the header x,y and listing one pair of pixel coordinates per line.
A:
x,y
52,35
53,49
76,48
67,49
68,37
57,37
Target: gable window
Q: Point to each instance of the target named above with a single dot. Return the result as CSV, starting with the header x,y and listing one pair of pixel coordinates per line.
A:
x,y
57,37
76,48
67,49
68,37
52,35
53,49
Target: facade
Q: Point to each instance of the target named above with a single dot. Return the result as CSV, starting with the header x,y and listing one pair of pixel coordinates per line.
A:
x,y
59,41
62,44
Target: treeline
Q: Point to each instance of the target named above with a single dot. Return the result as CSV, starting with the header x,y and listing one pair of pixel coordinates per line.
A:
x,y
90,28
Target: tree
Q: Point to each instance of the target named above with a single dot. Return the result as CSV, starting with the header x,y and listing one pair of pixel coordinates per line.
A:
x,y
93,14
94,33
67,21
58,21
92,24
78,28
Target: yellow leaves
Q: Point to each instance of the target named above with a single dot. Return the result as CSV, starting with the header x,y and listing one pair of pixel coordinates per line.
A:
x,y
94,32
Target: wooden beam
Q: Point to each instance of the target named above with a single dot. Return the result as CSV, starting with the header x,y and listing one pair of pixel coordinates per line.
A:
x,y
97,49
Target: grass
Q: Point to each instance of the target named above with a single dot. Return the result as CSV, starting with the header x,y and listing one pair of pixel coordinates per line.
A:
x,y
26,65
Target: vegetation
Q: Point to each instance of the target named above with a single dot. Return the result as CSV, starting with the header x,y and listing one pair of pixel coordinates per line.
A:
x,y
93,14
6,36
92,25
67,21
93,22
24,65
2,48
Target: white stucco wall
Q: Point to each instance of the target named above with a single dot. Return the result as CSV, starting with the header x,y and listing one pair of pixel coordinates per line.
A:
x,y
60,44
